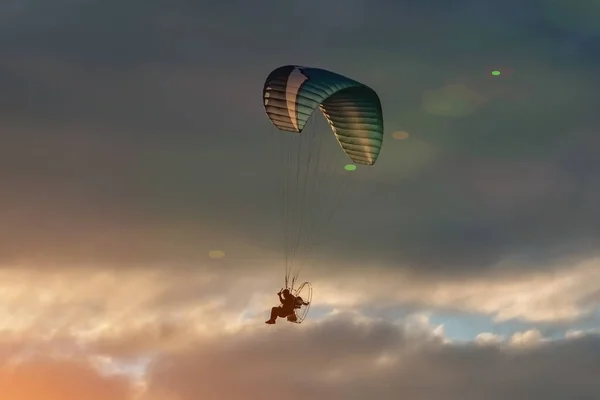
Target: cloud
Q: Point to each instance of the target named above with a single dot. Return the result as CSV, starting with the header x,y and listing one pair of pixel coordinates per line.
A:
x,y
134,143
203,332
119,129
562,295
56,379
532,337
374,359
451,101
578,333
151,310
487,338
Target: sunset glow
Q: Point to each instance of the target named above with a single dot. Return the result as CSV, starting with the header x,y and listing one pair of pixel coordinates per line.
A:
x,y
147,223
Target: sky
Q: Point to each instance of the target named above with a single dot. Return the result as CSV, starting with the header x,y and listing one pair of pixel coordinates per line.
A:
x,y
463,265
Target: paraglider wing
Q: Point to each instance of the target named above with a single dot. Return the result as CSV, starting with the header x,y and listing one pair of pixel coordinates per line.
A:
x,y
292,93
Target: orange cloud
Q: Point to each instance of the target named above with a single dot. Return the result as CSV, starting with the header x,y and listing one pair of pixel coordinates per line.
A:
x,y
54,379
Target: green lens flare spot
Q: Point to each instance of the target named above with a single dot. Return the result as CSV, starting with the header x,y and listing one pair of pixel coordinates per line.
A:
x,y
495,72
350,167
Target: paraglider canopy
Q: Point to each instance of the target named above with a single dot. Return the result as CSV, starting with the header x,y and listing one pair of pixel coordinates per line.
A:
x,y
292,93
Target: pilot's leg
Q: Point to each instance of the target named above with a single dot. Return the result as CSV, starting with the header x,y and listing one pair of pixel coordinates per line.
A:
x,y
275,312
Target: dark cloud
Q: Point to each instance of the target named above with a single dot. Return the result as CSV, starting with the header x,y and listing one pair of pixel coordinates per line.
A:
x,y
136,132
376,360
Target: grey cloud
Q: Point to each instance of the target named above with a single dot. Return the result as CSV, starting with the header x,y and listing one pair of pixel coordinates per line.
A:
x,y
133,119
304,365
